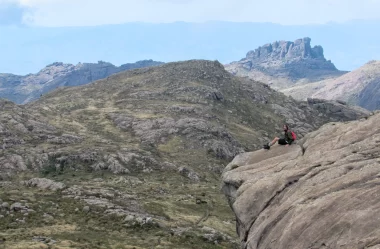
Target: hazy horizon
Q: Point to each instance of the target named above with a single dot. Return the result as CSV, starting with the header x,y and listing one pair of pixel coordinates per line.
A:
x,y
35,33
29,49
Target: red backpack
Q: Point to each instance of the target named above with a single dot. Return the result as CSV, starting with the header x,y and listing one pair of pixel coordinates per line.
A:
x,y
293,135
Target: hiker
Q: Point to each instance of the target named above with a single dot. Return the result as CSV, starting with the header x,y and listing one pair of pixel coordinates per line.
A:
x,y
288,139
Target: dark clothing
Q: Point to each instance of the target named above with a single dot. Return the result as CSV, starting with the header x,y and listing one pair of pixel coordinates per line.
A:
x,y
282,141
288,138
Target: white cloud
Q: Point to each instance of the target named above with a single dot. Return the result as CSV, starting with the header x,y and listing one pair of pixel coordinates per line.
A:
x,y
96,12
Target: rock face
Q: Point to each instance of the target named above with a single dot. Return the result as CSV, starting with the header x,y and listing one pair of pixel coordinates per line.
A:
x,y
319,193
359,87
337,110
23,89
283,63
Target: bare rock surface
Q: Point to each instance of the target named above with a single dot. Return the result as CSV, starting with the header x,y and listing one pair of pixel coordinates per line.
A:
x,y
44,183
320,193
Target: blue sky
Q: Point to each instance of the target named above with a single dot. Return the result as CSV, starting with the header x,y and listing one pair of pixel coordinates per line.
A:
x,y
34,33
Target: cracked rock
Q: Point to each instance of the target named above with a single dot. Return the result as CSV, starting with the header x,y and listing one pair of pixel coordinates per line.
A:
x,y
327,184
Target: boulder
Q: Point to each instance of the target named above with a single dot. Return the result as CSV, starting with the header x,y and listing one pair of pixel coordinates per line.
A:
x,y
319,193
86,209
188,173
44,183
17,206
47,217
5,205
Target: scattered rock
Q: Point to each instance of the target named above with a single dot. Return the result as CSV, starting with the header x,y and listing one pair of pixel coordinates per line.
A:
x,y
5,205
12,163
21,221
86,209
47,217
17,206
214,236
129,218
139,220
45,240
149,220
44,183
131,180
188,173
65,139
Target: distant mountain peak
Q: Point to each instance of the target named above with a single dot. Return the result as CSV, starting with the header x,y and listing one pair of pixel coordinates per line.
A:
x,y
57,64
299,49
23,89
284,53
289,61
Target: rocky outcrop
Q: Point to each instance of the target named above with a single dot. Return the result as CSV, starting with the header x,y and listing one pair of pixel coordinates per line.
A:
x,y
283,63
23,89
359,87
43,183
290,51
151,131
319,193
338,110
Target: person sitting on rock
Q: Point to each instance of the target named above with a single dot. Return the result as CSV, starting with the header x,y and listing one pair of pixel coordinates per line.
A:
x,y
288,139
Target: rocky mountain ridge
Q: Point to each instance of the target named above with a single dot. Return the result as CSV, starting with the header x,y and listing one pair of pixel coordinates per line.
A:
x,y
23,89
360,87
318,193
137,156
284,63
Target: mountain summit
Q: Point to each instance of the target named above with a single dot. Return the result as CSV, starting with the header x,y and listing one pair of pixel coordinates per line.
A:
x,y
283,63
290,51
23,89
